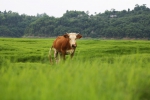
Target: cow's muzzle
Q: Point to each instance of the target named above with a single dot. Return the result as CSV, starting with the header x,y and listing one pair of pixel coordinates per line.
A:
x,y
74,45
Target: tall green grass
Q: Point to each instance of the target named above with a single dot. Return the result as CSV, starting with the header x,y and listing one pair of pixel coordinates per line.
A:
x,y
100,70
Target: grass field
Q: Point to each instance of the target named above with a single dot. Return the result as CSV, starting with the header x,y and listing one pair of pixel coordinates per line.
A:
x,y
100,70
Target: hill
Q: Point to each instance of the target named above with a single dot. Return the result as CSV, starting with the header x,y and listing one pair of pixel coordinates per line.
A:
x,y
110,24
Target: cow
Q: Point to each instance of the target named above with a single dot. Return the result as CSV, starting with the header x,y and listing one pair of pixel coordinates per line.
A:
x,y
64,45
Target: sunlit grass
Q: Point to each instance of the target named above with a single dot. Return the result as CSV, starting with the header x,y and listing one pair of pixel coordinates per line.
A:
x,y
98,71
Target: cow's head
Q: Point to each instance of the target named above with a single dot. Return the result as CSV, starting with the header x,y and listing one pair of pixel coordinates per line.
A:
x,y
72,38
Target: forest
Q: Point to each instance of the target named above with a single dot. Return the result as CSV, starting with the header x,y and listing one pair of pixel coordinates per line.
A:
x,y
110,24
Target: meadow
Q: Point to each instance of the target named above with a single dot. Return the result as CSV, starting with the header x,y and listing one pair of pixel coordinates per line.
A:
x,y
100,70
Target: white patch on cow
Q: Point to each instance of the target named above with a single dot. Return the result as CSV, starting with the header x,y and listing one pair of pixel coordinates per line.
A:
x,y
56,55
70,51
55,52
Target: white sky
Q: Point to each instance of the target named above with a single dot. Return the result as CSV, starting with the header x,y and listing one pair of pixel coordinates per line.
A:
x,y
57,8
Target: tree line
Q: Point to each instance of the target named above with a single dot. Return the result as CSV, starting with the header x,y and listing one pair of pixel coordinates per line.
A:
x,y
110,24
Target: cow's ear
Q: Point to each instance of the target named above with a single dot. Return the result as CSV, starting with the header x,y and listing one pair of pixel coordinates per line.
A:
x,y
66,35
79,36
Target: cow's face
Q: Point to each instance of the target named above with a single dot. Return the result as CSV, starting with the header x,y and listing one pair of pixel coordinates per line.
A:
x,y
72,38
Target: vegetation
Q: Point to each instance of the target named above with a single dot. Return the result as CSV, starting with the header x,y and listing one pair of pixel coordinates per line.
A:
x,y
110,24
100,70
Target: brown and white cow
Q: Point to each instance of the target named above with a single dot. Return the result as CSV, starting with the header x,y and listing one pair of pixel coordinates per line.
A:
x,y
64,45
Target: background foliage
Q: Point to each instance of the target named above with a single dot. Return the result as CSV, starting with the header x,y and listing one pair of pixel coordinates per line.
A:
x,y
110,24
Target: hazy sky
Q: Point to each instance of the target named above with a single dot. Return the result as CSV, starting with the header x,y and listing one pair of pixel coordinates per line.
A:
x,y
57,8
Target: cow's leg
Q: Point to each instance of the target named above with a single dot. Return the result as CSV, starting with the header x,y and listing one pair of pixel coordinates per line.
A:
x,y
56,55
60,55
72,55
63,55
51,51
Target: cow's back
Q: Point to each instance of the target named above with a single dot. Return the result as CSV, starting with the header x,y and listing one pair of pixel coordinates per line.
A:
x,y
61,43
